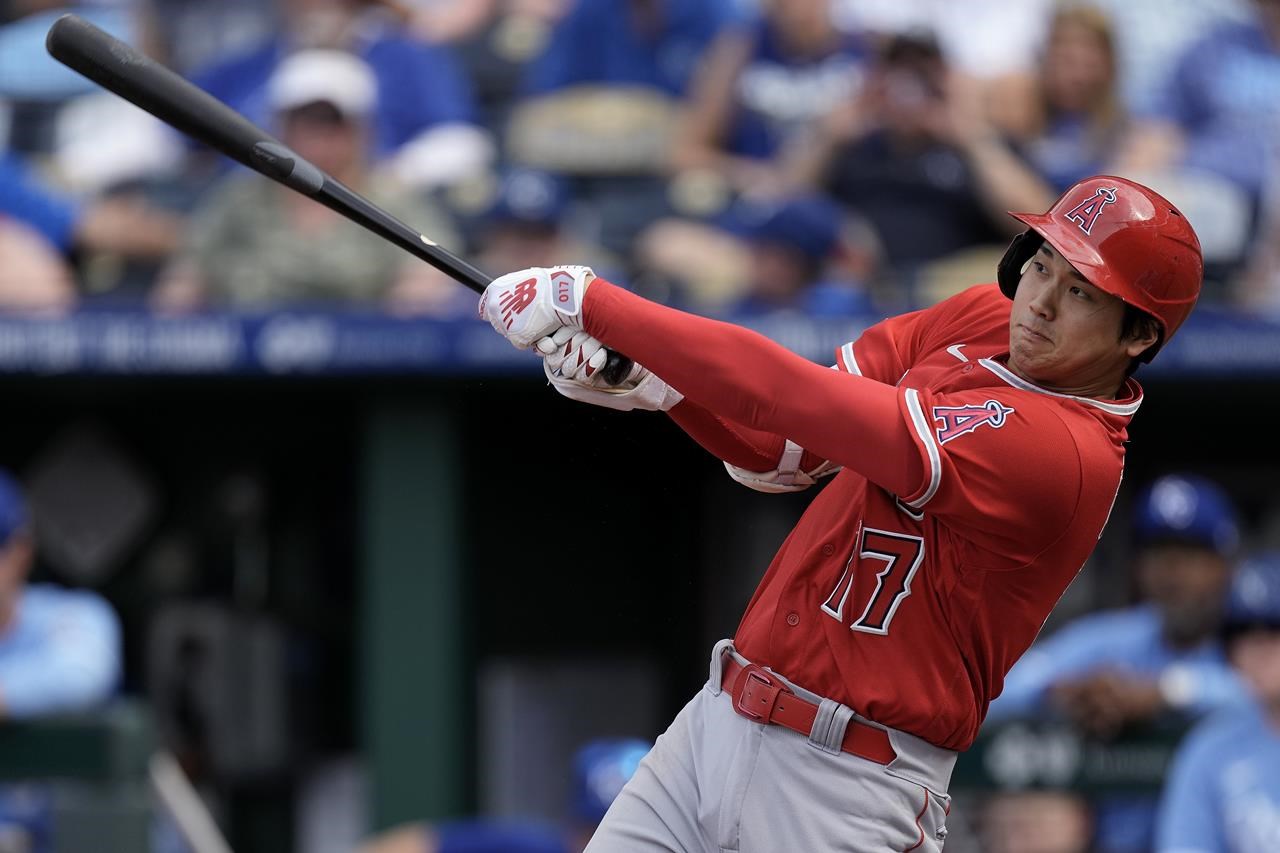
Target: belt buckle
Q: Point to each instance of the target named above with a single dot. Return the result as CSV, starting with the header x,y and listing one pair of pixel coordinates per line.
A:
x,y
753,673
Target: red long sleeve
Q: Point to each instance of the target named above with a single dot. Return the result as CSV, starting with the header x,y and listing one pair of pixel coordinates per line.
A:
x,y
743,447
747,379
740,446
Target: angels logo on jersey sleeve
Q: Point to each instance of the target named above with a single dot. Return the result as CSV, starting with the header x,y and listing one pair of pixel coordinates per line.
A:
x,y
955,421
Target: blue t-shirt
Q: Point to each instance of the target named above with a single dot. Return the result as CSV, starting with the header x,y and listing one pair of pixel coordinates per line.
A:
x,y
1223,793
1225,95
1069,150
1129,640
419,85
778,93
24,198
499,837
598,42
60,653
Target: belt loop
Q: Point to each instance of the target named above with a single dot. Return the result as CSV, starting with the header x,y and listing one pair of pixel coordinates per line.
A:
x,y
829,726
722,648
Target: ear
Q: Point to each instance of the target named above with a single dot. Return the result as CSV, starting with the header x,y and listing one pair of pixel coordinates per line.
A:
x,y
1144,335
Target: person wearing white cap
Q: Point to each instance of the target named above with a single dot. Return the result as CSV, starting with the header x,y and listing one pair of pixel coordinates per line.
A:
x,y
423,130
257,245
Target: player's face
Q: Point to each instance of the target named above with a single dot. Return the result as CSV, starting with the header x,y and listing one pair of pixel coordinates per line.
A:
x,y
1064,333
1256,654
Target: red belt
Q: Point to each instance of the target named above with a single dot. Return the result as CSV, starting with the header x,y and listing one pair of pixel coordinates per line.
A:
x,y
760,696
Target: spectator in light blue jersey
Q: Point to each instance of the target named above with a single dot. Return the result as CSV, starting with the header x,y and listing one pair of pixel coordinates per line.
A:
x,y
1158,661
59,652
1223,794
27,71
59,648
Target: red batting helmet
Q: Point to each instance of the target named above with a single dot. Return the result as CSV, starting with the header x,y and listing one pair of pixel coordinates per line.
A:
x,y
1125,239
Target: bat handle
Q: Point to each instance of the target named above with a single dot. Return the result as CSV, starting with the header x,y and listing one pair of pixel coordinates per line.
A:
x,y
616,368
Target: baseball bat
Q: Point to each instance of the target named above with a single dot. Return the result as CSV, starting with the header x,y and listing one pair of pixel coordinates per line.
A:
x,y
146,83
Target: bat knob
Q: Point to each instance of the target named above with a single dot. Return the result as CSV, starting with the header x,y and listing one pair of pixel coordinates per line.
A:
x,y
616,368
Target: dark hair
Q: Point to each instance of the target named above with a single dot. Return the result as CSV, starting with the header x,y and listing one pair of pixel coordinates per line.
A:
x,y
1135,324
915,47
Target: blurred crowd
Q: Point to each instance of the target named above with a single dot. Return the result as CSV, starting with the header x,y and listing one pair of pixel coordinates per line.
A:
x,y
826,156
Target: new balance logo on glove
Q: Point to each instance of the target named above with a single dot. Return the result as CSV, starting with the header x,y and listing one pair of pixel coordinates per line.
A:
x,y
531,304
514,301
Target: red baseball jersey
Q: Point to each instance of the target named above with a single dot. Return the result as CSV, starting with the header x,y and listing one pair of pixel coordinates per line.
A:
x,y
911,608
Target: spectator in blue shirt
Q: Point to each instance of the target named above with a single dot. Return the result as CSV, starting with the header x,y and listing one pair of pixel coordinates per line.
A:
x,y
60,652
649,43
795,244
1148,53
1160,660
1220,109
423,131
123,225
762,89
1223,793
600,769
1069,125
33,276
24,197
59,648
602,100
528,223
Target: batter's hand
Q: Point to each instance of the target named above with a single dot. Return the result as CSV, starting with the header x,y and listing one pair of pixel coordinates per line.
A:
x,y
531,304
572,360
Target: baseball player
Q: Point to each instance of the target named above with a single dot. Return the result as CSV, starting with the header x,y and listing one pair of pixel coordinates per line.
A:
x,y
981,443
600,769
1223,794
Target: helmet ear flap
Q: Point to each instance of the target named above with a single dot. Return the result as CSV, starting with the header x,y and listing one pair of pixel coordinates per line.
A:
x,y
1009,270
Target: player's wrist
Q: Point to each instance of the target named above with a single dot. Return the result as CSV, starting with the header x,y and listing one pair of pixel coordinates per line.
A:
x,y
595,296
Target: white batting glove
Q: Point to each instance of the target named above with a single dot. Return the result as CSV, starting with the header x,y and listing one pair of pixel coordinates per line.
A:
x,y
572,360
531,304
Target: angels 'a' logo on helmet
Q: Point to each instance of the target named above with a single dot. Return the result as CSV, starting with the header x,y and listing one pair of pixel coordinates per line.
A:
x,y
1086,213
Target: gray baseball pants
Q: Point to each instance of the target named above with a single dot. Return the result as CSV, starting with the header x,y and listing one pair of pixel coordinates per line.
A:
x,y
717,782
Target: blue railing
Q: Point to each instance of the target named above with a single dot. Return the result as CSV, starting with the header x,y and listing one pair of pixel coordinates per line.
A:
x,y
310,342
